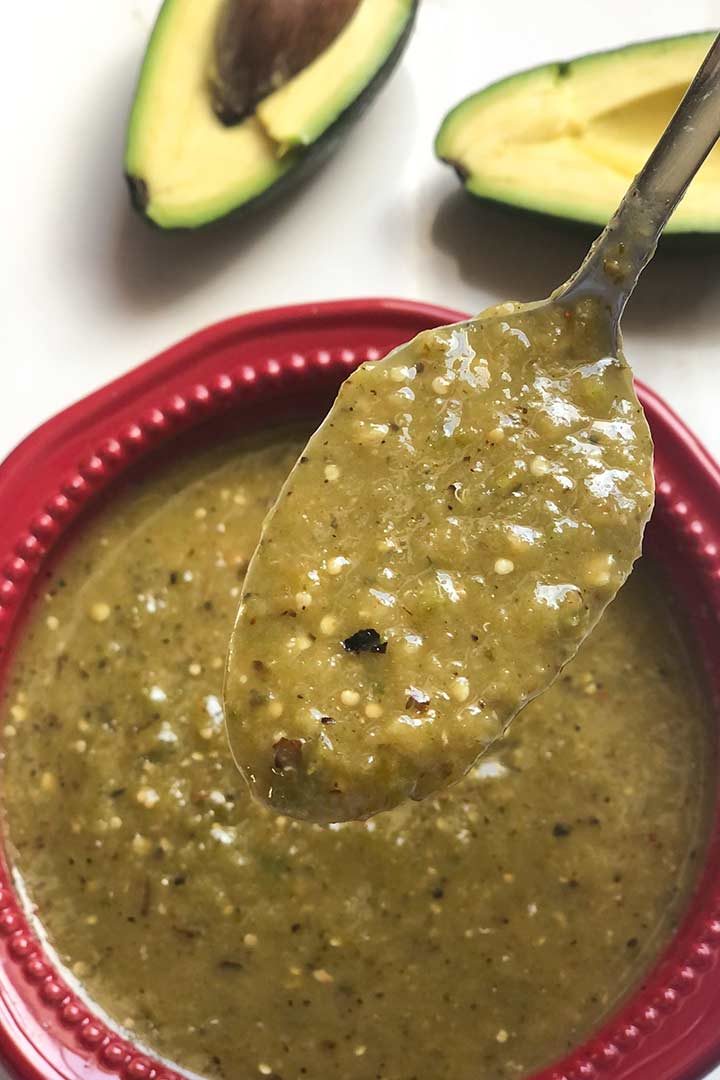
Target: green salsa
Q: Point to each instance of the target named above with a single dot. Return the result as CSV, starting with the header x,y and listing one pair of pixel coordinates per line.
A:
x,y
449,536
474,936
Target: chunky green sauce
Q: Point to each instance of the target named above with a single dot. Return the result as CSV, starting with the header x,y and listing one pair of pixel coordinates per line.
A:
x,y
449,536
473,936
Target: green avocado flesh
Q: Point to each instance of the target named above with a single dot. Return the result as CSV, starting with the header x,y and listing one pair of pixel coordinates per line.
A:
x,y
566,139
186,168
474,936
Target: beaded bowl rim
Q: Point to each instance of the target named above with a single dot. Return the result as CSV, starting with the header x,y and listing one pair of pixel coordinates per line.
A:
x,y
667,1029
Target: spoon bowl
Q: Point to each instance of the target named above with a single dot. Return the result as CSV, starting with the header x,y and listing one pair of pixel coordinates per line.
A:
x,y
448,538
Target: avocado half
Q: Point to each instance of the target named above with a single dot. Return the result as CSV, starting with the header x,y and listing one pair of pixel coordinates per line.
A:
x,y
566,139
185,168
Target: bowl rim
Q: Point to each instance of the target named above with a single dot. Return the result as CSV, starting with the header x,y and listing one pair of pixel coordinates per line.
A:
x,y
667,1029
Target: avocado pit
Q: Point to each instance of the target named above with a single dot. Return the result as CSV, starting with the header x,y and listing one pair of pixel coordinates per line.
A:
x,y
260,44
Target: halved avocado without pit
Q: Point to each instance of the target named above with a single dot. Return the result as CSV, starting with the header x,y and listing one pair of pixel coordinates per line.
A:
x,y
200,144
566,139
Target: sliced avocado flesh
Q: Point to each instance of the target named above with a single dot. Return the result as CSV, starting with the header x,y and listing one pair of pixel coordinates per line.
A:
x,y
567,139
185,168
301,110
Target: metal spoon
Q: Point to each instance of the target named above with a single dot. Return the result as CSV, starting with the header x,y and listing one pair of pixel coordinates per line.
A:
x,y
454,530
611,268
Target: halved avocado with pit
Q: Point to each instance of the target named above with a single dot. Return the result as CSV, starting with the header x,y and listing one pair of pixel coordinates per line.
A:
x,y
566,139
186,168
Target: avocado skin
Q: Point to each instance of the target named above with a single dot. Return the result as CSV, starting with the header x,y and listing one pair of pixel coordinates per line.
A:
x,y
139,194
670,242
309,160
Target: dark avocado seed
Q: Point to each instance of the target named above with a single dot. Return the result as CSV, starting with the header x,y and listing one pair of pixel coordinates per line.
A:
x,y
261,44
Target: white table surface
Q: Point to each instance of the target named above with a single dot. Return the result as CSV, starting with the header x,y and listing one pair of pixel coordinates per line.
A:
x,y
88,291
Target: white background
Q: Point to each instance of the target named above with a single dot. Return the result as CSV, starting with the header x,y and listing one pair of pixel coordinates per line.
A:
x,y
87,291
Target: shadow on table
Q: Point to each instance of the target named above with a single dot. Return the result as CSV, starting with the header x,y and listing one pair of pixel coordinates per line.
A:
x,y
519,257
153,266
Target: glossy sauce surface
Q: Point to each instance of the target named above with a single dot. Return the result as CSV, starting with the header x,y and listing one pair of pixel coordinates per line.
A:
x,y
450,534
473,936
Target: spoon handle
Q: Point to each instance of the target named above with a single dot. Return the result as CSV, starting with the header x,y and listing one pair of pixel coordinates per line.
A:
x,y
619,255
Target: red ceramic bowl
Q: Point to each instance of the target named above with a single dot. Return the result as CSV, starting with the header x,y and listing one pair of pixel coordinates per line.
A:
x,y
257,370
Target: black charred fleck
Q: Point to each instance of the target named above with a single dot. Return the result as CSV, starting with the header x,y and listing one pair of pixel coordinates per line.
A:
x,y
365,641
561,830
287,754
